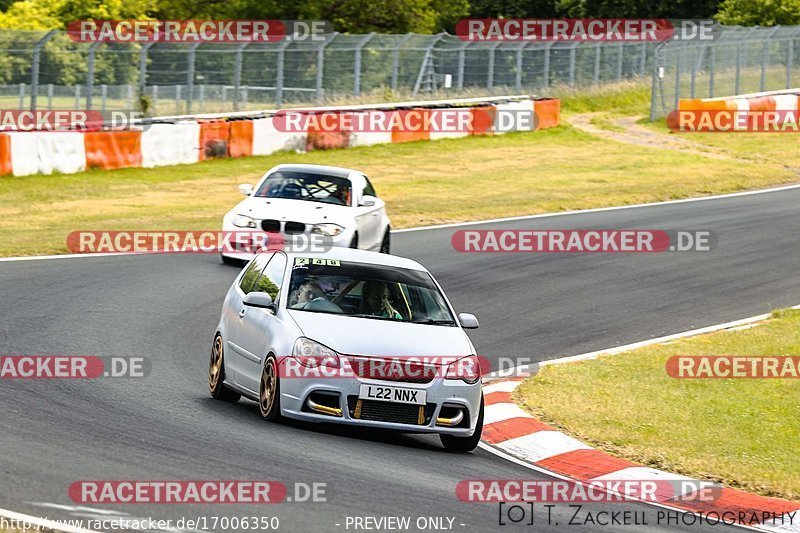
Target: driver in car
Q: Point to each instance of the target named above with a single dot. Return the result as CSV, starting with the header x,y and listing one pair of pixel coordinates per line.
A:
x,y
375,301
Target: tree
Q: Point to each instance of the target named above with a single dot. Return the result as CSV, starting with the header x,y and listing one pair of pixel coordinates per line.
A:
x,y
759,12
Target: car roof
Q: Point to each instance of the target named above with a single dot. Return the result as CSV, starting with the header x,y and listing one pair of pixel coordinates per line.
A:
x,y
362,256
315,169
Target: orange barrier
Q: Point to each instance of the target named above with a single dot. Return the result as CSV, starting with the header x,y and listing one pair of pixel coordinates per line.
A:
x,y
402,135
763,103
214,137
483,120
319,139
240,142
548,113
112,149
5,154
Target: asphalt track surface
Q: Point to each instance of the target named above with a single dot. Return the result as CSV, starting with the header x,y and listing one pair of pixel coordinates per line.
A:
x,y
166,307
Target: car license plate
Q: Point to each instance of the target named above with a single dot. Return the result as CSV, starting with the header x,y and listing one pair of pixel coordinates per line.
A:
x,y
392,394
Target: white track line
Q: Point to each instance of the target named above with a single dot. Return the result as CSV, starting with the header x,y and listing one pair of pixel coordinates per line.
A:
x,y
474,222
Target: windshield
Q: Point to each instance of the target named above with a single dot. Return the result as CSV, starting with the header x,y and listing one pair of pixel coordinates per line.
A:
x,y
366,291
304,186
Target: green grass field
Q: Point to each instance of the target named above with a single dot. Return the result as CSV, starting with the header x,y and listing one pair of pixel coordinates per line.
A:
x,y
741,432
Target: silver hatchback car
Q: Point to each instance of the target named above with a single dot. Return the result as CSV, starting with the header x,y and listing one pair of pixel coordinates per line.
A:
x,y
349,337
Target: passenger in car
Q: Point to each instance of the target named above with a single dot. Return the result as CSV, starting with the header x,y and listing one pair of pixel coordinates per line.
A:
x,y
307,291
375,301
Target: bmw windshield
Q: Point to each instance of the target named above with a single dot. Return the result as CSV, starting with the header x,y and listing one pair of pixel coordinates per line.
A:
x,y
367,291
306,186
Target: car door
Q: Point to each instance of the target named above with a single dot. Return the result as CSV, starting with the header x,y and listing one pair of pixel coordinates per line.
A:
x,y
371,216
232,317
258,327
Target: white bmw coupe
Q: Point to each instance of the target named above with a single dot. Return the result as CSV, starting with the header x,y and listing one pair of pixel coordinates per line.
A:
x,y
339,204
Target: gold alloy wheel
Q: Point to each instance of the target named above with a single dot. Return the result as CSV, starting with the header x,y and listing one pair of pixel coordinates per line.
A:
x,y
215,364
267,388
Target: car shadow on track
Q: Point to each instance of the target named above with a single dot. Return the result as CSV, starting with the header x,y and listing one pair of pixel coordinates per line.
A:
x,y
246,411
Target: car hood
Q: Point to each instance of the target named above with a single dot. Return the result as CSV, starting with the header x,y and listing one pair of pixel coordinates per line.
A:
x,y
384,338
295,210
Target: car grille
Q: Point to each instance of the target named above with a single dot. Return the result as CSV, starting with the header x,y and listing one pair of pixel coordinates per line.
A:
x,y
295,227
383,370
270,225
398,413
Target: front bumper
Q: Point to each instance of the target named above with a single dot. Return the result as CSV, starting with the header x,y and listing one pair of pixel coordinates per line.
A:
x,y
245,251
343,391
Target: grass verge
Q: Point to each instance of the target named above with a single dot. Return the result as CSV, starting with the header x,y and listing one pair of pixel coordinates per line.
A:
x,y
740,432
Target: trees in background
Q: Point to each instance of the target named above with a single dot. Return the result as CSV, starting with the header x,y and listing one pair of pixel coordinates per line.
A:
x,y
392,16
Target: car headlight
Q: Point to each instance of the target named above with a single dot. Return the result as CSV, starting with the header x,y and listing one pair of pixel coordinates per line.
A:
x,y
312,354
242,221
328,229
467,369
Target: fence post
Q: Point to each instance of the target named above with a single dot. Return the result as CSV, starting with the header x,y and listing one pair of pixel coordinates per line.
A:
x,y
490,67
237,74
790,59
546,66
396,60
49,96
279,75
357,67
462,52
90,74
143,68
620,60
765,57
190,78
712,62
518,77
571,78
596,74
693,75
658,54
21,95
37,49
678,66
320,82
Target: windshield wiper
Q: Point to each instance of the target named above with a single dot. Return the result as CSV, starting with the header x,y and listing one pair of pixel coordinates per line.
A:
x,y
428,320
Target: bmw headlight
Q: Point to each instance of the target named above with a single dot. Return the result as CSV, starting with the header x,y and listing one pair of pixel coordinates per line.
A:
x,y
313,354
328,229
242,221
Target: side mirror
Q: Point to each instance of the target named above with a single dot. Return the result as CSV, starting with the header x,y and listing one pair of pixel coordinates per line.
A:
x,y
259,299
246,189
468,321
367,201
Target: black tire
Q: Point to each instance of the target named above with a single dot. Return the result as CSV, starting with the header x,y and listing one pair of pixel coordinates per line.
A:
x,y
464,444
354,241
269,399
386,243
216,374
